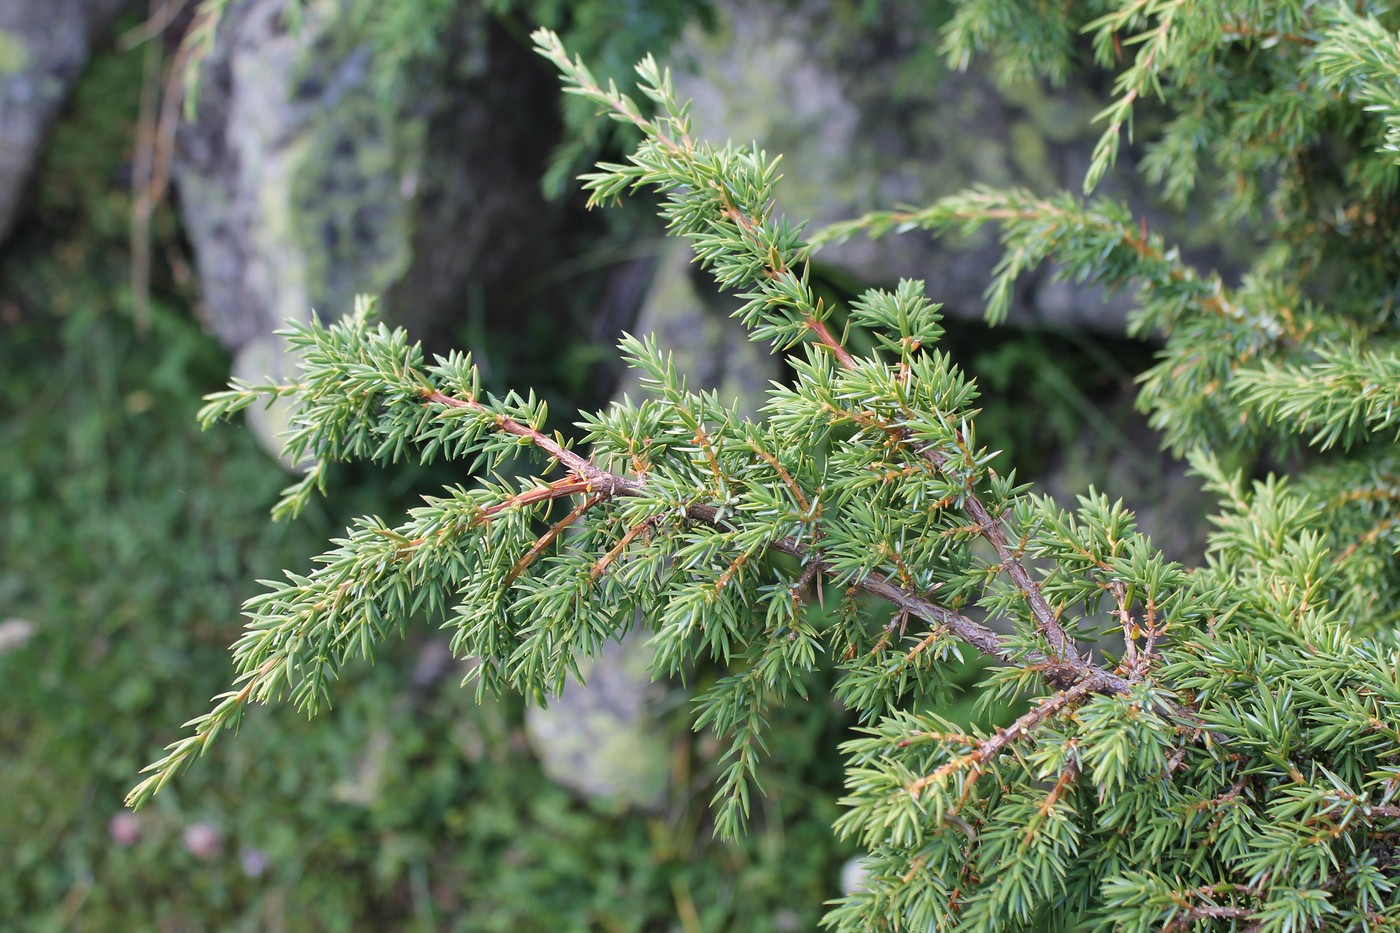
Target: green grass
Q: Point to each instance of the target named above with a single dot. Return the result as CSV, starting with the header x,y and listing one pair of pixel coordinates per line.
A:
x,y
129,540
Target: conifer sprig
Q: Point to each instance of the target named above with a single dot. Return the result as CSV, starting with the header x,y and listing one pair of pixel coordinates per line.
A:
x,y
1361,58
367,393
1207,747
303,631
719,214
1213,332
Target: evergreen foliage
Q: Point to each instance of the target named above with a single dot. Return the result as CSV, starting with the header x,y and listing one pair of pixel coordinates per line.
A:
x,y
1213,747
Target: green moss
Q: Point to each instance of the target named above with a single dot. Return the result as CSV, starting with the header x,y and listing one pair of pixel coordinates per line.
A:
x,y
90,149
1031,156
14,55
347,208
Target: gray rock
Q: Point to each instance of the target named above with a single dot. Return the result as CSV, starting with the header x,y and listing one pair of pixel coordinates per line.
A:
x,y
44,45
600,737
303,181
855,873
868,118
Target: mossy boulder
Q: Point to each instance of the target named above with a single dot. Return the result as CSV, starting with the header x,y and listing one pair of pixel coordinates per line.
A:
x,y
304,180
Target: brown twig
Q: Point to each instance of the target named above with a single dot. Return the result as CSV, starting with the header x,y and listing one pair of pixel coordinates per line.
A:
x,y
546,539
734,567
595,478
924,644
607,559
161,15
1152,630
988,749
702,440
559,489
931,735
1188,918
1067,778
1057,670
1047,621
156,124
829,341
784,475
142,172
1133,664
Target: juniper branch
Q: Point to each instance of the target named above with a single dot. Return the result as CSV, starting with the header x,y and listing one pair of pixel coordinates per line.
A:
x,y
1236,767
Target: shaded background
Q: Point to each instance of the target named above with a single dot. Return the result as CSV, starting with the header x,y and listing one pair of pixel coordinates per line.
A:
x,y
419,151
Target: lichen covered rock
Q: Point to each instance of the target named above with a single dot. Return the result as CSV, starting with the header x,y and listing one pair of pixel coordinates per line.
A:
x,y
601,737
44,45
304,181
868,117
